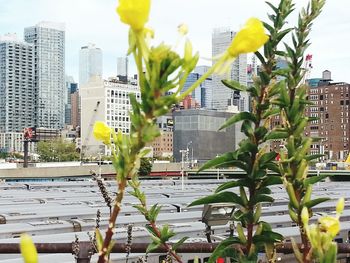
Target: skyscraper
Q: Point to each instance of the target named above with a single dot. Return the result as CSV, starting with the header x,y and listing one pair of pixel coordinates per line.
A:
x,y
223,96
90,63
17,108
48,41
71,88
202,94
122,68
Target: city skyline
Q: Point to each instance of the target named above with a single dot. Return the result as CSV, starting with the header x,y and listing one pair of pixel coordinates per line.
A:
x,y
96,22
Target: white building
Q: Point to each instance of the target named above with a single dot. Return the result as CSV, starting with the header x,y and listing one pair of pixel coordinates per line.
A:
x,y
105,101
48,39
223,96
12,142
90,63
17,97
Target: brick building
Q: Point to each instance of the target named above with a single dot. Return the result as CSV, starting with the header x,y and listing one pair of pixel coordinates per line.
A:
x,y
331,106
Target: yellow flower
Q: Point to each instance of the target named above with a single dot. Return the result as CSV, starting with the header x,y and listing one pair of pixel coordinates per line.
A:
x,y
249,39
330,225
28,249
102,132
183,29
134,12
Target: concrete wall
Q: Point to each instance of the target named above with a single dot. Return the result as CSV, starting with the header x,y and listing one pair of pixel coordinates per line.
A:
x,y
76,171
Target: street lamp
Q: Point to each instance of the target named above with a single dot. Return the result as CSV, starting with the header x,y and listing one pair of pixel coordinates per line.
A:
x,y
188,144
218,171
215,215
183,152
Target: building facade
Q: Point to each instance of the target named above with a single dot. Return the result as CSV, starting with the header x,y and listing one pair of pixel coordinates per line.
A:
x,y
331,106
223,96
163,145
12,142
48,40
17,92
90,63
122,68
75,109
71,88
108,102
198,131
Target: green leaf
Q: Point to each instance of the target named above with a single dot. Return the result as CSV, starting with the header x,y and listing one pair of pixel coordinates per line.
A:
x,y
316,201
272,167
247,146
271,112
238,117
179,243
232,184
223,197
235,85
99,239
276,135
267,157
267,237
151,230
313,157
247,128
261,199
152,246
225,159
219,250
260,132
271,180
315,179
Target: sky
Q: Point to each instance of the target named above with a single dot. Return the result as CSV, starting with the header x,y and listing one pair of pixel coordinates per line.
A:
x,y
95,21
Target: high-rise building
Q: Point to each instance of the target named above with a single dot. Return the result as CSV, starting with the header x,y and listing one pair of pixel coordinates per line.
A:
x,y
90,63
202,94
17,98
223,96
122,68
48,41
67,99
105,101
75,108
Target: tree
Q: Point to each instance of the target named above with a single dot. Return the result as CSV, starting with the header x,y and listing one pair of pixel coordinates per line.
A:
x,y
57,150
145,167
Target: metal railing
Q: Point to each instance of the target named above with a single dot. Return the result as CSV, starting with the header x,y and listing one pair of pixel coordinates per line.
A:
x,y
85,249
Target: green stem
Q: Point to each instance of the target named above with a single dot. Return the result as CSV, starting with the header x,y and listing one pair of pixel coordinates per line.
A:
x,y
202,78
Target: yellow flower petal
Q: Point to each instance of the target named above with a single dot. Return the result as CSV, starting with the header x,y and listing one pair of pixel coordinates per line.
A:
x,y
340,206
249,39
102,132
330,225
134,13
28,249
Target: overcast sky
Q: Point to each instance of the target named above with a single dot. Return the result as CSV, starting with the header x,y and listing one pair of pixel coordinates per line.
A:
x,y
95,21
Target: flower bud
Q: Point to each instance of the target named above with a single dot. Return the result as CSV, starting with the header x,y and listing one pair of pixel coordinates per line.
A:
x,y
340,206
28,249
305,216
183,29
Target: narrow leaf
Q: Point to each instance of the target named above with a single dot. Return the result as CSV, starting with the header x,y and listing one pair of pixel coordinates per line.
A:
x,y
238,117
316,201
223,197
219,251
